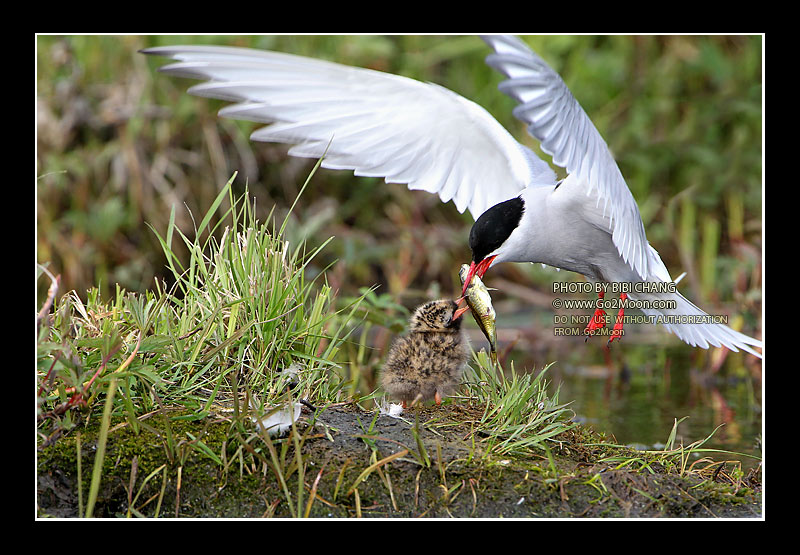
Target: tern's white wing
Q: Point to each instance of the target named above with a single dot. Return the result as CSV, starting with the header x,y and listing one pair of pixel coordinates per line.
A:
x,y
568,135
377,124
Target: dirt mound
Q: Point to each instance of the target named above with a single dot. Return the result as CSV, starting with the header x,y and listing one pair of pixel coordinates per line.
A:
x,y
430,463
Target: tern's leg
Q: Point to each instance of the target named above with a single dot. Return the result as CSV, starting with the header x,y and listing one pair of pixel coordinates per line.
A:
x,y
598,319
616,333
437,398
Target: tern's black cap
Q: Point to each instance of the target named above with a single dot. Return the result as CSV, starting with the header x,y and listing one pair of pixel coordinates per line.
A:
x,y
494,226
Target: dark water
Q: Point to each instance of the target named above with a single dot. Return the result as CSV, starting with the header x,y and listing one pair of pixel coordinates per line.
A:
x,y
636,391
640,407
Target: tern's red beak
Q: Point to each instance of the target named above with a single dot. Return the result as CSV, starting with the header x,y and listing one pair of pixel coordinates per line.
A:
x,y
479,269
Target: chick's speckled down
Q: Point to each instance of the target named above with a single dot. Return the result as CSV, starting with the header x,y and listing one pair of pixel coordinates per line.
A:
x,y
429,359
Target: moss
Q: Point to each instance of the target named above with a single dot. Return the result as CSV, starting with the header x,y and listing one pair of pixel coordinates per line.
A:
x,y
467,482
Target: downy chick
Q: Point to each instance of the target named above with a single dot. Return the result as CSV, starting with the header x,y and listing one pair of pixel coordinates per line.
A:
x,y
428,361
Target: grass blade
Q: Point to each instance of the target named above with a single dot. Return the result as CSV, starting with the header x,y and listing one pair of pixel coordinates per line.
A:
x,y
97,471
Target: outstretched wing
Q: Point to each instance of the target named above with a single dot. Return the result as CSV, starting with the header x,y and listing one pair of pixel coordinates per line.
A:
x,y
377,124
556,119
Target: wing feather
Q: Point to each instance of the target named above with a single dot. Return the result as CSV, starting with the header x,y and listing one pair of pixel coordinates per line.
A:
x,y
377,124
555,118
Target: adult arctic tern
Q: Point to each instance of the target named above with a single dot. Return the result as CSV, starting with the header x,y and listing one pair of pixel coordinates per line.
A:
x,y
430,138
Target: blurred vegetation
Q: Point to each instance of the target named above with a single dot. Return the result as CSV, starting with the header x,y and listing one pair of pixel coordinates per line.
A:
x,y
119,145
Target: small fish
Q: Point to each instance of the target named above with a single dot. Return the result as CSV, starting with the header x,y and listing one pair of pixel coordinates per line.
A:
x,y
480,303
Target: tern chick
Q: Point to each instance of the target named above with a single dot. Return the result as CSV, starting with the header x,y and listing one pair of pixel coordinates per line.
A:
x,y
428,361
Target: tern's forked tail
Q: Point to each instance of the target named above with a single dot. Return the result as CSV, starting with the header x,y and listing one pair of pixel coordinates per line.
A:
x,y
692,325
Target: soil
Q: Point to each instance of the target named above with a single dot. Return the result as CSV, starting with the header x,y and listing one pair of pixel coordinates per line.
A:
x,y
448,473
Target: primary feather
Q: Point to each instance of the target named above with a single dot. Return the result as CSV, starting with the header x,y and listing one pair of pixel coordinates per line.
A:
x,y
377,124
556,119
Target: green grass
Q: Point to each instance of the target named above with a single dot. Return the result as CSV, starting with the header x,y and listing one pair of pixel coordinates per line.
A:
x,y
682,460
520,415
240,313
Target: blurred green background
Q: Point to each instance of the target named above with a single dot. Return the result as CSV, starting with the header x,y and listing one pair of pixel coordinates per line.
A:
x,y
119,144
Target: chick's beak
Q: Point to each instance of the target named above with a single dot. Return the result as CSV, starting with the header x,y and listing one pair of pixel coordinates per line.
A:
x,y
460,310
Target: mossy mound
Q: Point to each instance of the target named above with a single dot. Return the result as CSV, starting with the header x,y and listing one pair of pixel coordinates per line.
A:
x,y
436,468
